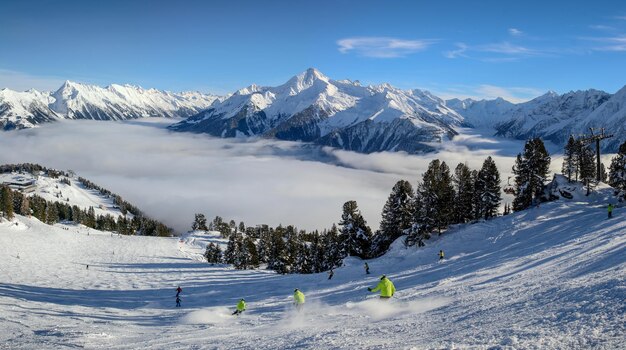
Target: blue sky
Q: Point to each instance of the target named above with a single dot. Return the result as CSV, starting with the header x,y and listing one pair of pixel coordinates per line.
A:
x,y
516,50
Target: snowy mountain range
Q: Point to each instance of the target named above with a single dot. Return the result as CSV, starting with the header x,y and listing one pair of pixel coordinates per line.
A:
x,y
340,113
313,108
551,116
19,110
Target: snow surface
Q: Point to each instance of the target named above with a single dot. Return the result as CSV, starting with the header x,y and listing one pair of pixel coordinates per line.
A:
x,y
75,194
552,277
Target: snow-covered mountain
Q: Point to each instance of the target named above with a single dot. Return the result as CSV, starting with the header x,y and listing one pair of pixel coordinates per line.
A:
x,y
341,113
552,116
482,113
20,110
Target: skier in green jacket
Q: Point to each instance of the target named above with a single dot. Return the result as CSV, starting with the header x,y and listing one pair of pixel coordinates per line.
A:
x,y
610,210
298,298
241,307
386,288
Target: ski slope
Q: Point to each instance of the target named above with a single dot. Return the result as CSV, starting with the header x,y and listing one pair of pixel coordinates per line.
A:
x,y
552,277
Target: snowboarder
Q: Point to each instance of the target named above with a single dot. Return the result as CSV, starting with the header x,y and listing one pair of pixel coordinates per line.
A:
x,y
298,299
385,286
241,307
610,210
441,255
177,301
178,290
331,273
367,269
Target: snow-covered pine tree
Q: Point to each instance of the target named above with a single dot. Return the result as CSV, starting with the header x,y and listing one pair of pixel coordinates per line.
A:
x,y
464,192
52,214
490,197
355,235
230,254
436,195
617,171
397,216
213,253
264,244
317,252
570,160
6,202
277,257
199,223
586,156
531,171
333,249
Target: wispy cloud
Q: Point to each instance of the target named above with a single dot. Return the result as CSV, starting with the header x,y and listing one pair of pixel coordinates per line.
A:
x,y
602,27
515,32
23,81
382,47
494,52
507,48
615,43
459,52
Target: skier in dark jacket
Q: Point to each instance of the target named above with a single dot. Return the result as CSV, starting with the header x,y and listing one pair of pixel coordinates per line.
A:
x,y
331,273
177,301
367,269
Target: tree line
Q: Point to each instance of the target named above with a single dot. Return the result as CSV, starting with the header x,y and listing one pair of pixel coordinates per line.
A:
x,y
51,212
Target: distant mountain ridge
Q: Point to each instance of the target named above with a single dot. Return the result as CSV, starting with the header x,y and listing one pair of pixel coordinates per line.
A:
x,y
339,113
551,116
19,110
311,107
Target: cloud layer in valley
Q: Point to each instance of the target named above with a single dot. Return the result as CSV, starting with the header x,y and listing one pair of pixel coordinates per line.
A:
x,y
171,176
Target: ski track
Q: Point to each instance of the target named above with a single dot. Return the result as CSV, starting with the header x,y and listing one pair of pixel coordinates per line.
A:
x,y
546,278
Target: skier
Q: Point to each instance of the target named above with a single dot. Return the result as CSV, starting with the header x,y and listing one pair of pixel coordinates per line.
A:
x,y
177,301
178,290
367,269
298,299
441,255
241,307
331,273
610,210
386,287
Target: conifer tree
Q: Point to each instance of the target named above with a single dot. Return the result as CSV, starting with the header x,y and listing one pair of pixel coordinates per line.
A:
x,y
355,235
617,171
230,254
587,166
333,249
570,160
531,171
490,197
436,194
6,202
213,253
464,187
397,216
199,223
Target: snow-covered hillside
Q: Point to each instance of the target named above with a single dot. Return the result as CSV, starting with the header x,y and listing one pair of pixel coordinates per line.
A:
x,y
483,113
55,190
552,277
81,101
551,116
339,113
